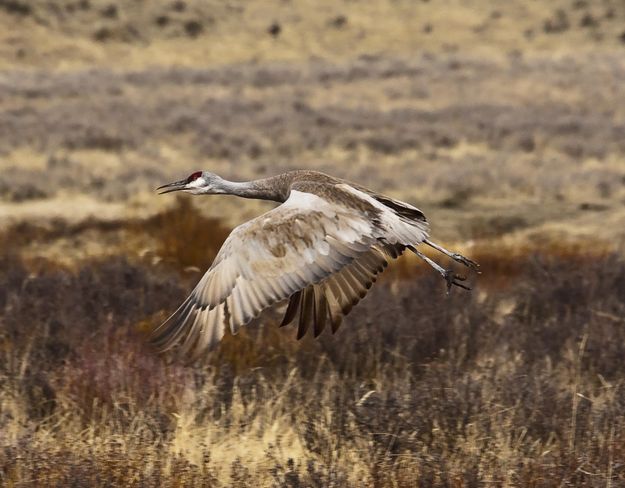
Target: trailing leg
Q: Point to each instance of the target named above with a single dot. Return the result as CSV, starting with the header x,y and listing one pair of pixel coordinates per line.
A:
x,y
454,255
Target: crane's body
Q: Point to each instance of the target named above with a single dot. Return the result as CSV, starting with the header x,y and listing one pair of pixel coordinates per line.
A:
x,y
322,249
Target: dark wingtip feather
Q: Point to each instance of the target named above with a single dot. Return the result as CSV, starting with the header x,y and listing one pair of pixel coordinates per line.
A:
x,y
305,312
336,323
291,309
321,311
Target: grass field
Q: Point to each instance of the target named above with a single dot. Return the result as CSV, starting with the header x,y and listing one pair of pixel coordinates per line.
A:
x,y
519,383
503,122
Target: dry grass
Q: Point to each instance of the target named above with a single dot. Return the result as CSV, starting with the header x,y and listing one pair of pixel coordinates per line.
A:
x,y
517,384
536,150
70,34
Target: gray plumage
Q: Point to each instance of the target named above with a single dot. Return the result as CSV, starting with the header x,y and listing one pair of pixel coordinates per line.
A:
x,y
322,249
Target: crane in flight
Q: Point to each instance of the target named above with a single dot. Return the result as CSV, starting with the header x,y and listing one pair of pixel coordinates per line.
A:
x,y
322,249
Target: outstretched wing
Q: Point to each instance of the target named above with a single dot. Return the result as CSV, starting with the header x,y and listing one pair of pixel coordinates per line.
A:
x,y
324,253
266,260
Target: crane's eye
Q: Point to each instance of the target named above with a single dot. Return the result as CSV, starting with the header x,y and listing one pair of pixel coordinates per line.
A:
x,y
194,176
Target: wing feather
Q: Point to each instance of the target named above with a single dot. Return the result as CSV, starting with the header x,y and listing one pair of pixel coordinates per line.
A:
x,y
291,309
321,310
306,314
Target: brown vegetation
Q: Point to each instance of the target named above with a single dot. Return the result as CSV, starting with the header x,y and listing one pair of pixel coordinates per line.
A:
x,y
519,384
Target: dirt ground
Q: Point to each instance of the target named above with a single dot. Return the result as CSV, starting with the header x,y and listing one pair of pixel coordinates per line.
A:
x,y
503,121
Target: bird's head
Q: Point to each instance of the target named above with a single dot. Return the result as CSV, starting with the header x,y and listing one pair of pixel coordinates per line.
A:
x,y
198,183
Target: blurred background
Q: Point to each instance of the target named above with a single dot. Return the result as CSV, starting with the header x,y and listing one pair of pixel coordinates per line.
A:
x,y
503,121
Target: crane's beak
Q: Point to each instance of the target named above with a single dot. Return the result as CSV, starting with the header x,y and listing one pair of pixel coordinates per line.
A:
x,y
175,186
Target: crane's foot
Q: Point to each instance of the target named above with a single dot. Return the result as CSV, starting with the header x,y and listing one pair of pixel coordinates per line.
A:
x,y
454,279
449,275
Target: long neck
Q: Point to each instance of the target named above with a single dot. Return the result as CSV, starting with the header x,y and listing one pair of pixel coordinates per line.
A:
x,y
274,188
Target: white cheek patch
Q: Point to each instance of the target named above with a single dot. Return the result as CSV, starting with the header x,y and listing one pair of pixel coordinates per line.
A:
x,y
196,183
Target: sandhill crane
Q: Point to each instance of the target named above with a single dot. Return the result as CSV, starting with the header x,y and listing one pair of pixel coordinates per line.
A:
x,y
322,249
